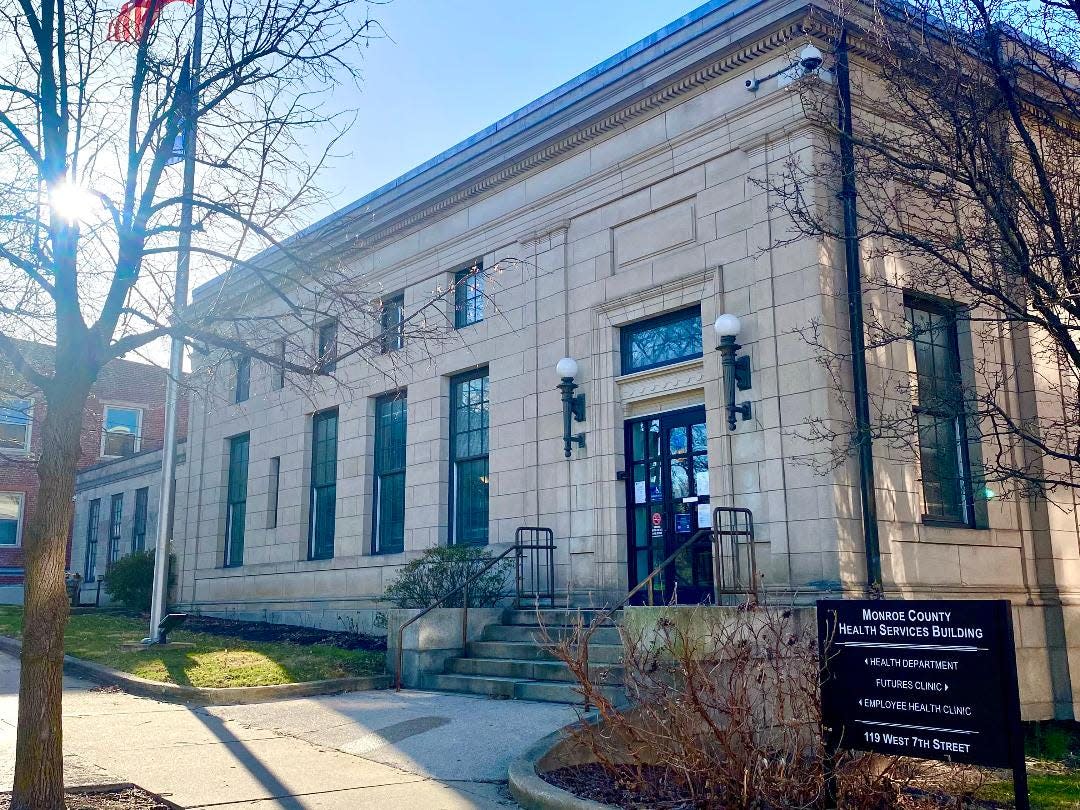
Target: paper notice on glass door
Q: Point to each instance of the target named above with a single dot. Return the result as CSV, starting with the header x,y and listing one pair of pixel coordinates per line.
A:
x,y
639,492
704,516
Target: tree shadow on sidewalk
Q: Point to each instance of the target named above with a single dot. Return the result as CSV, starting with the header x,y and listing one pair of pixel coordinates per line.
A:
x,y
277,790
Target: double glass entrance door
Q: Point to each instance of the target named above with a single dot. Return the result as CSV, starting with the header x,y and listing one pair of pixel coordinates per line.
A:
x,y
667,462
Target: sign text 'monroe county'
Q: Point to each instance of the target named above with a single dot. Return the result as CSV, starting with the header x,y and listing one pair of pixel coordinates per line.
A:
x,y
930,679
915,624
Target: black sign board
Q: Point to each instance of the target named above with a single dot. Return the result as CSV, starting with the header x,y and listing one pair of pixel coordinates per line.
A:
x,y
933,679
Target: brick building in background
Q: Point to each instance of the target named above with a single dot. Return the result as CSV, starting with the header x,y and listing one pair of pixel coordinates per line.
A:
x,y
124,415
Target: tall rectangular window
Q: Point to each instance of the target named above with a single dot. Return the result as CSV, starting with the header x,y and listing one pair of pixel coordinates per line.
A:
x,y
15,425
323,500
93,523
116,519
328,346
943,443
242,387
236,500
272,492
392,321
469,295
138,529
661,341
469,421
277,371
389,509
11,510
121,431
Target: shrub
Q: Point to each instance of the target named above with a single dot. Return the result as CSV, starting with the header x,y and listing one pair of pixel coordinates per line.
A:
x,y
444,568
1052,740
130,580
725,712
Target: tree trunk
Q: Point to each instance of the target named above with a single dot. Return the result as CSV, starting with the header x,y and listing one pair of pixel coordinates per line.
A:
x,y
39,755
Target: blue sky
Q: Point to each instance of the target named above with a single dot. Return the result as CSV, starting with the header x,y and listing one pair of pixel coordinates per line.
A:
x,y
454,66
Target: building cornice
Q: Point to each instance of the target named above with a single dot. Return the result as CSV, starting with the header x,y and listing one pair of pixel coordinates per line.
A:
x,y
674,92
343,237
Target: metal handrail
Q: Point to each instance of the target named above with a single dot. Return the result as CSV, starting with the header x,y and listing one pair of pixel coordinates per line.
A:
x,y
537,544
719,569
695,538
517,549
716,532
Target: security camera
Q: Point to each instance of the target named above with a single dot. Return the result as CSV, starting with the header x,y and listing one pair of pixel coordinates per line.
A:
x,y
810,62
810,59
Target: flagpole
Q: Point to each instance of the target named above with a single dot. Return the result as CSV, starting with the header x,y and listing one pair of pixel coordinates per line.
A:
x,y
176,349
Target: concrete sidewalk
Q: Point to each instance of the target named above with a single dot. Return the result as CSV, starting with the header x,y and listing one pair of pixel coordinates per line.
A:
x,y
368,749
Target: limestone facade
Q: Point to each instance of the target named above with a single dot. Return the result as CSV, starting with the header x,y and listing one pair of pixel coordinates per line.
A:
x,y
98,538
637,189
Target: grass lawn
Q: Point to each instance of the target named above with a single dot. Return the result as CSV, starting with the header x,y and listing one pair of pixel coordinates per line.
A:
x,y
1048,791
1053,757
214,661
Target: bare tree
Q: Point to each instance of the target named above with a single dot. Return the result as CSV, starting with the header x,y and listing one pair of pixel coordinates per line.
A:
x,y
965,147
91,220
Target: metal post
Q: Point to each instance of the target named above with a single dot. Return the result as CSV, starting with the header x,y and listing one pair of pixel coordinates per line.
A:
x,y
727,349
867,491
176,349
518,574
465,619
573,408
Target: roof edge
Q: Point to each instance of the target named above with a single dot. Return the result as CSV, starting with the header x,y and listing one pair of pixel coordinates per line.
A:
x,y
561,92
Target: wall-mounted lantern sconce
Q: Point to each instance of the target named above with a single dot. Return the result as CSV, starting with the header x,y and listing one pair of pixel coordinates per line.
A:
x,y
573,405
736,369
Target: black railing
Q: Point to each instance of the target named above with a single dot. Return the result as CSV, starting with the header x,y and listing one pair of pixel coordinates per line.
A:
x,y
735,570
543,557
534,577
729,523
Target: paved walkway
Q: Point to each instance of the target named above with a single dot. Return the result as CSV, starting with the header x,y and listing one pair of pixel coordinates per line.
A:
x,y
368,749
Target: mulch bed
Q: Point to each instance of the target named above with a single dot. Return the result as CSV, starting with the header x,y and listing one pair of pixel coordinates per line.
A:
x,y
291,633
592,781
124,798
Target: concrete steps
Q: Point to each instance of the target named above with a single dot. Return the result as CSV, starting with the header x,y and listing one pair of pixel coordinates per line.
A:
x,y
510,660
533,651
535,633
511,688
551,617
531,670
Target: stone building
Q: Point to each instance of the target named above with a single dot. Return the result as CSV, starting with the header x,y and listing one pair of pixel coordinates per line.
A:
x,y
634,199
125,415
116,509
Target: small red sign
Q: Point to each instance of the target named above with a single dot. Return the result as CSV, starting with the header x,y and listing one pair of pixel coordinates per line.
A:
x,y
656,519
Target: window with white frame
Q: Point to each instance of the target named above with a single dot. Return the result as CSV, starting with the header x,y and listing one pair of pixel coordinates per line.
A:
x,y
121,432
11,511
15,424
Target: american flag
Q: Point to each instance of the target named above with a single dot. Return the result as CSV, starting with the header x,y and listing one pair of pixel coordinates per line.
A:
x,y
135,16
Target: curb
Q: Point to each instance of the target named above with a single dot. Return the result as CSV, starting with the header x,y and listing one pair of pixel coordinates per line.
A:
x,y
209,696
532,792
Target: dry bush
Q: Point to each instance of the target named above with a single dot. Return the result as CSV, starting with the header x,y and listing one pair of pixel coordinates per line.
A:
x,y
728,711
